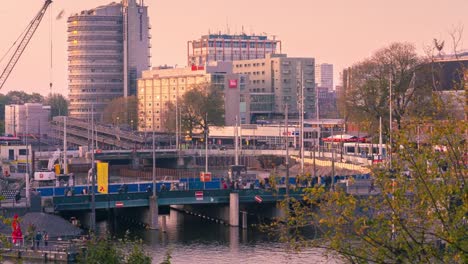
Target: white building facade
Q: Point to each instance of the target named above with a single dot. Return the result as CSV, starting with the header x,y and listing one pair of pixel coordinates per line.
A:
x,y
28,119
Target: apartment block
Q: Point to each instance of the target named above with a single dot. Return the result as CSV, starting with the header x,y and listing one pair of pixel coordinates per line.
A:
x,y
227,47
161,86
276,81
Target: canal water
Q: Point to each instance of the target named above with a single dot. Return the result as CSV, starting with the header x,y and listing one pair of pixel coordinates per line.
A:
x,y
190,239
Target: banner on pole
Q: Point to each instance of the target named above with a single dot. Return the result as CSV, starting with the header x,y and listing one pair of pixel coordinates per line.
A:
x,y
103,177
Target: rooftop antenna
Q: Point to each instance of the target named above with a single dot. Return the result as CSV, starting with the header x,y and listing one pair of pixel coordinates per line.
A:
x,y
227,26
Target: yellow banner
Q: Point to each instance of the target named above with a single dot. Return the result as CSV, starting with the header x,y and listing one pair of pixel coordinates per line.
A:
x,y
103,177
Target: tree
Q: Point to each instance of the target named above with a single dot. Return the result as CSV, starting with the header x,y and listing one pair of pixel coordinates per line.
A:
x,y
199,107
122,111
20,97
58,104
368,93
418,219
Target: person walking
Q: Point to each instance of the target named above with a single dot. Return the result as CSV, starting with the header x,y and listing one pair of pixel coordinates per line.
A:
x,y
46,238
38,239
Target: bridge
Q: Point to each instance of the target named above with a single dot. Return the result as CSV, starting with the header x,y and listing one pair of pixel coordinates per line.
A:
x,y
167,198
138,200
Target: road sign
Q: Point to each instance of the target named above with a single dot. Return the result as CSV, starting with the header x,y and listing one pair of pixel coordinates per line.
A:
x,y
258,199
199,195
205,176
119,204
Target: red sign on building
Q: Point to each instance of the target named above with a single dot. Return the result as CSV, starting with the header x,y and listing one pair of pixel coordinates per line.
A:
x,y
233,83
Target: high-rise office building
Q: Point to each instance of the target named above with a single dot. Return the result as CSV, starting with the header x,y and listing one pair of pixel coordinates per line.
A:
x,y
324,75
108,48
225,47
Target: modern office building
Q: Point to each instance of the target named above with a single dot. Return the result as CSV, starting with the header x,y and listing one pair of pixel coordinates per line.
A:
x,y
225,47
275,81
28,119
324,75
108,48
161,86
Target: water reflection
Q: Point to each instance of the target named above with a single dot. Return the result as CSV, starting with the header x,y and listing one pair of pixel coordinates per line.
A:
x,y
191,239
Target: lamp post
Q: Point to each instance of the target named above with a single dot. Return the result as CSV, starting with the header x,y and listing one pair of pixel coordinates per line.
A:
x,y
154,151
287,152
93,176
28,194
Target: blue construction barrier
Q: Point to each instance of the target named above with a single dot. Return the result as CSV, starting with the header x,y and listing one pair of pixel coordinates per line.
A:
x,y
186,183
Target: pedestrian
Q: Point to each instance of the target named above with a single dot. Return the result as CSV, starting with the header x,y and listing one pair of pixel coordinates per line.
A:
x,y
38,239
371,186
163,187
225,185
46,238
173,188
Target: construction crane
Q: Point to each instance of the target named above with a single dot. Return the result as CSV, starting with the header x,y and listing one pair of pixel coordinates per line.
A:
x,y
29,32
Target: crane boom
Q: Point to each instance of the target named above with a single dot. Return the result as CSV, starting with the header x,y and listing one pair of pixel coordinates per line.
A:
x,y
24,42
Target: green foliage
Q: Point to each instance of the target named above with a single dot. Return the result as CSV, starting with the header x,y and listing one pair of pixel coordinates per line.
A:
x,y
367,95
20,97
417,219
199,108
138,256
122,111
58,104
112,251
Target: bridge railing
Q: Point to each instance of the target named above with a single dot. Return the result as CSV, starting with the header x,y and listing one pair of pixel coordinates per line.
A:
x,y
80,199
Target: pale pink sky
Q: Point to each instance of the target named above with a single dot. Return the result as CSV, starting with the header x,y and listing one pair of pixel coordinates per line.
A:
x,y
340,32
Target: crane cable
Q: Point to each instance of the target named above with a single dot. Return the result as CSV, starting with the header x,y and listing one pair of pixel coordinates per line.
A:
x,y
51,51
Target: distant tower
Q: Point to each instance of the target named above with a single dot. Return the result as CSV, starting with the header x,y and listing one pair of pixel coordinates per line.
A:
x,y
108,48
324,75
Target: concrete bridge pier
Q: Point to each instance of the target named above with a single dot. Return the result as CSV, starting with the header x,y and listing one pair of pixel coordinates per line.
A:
x,y
153,212
136,162
180,162
234,209
163,224
244,219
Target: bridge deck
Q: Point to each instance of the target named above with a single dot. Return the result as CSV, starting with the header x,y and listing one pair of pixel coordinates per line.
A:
x,y
189,197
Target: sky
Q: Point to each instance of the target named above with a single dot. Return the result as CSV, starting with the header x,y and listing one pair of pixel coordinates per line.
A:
x,y
340,32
